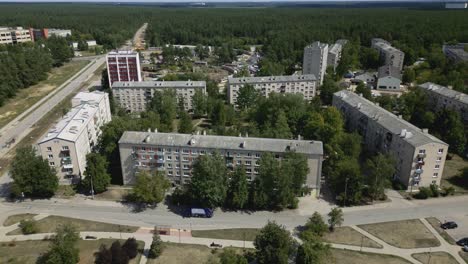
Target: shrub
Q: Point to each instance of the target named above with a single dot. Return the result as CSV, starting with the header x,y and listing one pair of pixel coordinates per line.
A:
x,y
423,193
28,227
434,190
397,185
448,191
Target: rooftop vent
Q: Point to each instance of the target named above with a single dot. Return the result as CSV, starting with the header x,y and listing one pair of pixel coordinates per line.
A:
x,y
192,142
147,139
243,144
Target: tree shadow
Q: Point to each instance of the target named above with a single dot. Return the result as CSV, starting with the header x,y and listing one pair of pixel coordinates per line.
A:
x,y
459,181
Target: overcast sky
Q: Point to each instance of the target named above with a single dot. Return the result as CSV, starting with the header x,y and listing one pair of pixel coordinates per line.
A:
x,y
172,1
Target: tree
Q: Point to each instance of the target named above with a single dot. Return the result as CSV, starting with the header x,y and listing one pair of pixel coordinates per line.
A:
x,y
208,186
185,123
335,218
316,225
28,226
202,52
296,164
218,114
156,246
345,179
82,45
96,175
247,97
362,89
238,192
119,256
199,103
60,50
165,104
130,247
274,244
150,189
32,174
380,173
328,88
281,128
369,58
451,128
409,75
63,248
313,251
229,256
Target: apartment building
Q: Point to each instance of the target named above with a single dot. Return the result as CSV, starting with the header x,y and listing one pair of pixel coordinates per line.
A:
x,y
13,35
134,96
441,97
295,84
388,78
123,66
456,53
334,55
175,154
315,60
390,55
66,145
419,156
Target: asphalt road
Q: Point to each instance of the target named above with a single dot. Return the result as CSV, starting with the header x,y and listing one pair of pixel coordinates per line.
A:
x,y
22,125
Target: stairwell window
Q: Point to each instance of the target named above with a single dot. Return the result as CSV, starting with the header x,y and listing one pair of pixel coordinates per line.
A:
x,y
437,166
435,175
440,151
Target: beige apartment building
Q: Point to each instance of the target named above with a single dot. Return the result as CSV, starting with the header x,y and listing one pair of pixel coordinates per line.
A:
x,y
134,96
175,154
419,156
13,35
295,84
441,97
66,145
389,54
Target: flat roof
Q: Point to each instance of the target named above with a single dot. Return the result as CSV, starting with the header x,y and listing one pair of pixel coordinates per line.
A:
x,y
270,79
335,48
388,70
396,125
308,147
447,92
317,44
160,84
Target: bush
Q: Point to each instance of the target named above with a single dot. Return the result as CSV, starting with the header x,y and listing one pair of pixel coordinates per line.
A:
x,y
28,227
448,191
130,247
397,185
423,193
434,190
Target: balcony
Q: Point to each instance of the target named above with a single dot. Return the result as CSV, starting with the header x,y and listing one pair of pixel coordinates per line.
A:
x,y
421,162
230,164
68,166
422,155
160,160
419,171
66,160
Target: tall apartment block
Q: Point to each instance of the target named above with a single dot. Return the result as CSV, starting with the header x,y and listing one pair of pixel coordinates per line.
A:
x,y
13,35
315,60
441,97
390,55
419,156
334,53
123,66
296,84
134,96
175,154
66,145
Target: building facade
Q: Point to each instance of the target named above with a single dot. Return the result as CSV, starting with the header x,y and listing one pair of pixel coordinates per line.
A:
x,y
334,55
123,66
14,35
66,145
389,78
390,55
295,84
315,60
456,53
175,154
135,96
419,156
441,97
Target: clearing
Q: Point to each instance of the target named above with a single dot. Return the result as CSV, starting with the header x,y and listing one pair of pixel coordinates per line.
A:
x,y
13,219
435,258
343,256
348,236
247,234
50,224
403,234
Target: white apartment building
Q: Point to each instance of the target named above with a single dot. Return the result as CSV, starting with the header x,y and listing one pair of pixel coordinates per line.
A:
x,y
123,66
315,60
419,156
134,96
9,35
175,154
295,84
441,97
66,145
390,55
334,55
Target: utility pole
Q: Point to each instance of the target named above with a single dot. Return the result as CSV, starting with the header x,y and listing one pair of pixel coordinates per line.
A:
x,y
345,192
92,188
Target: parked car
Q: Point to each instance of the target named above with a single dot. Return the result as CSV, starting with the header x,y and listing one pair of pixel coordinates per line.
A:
x,y
90,237
463,242
216,245
200,212
449,225
465,248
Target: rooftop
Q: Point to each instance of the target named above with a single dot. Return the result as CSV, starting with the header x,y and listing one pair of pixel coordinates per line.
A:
x,y
160,84
317,44
388,70
335,48
269,79
88,97
223,142
396,125
447,92
122,52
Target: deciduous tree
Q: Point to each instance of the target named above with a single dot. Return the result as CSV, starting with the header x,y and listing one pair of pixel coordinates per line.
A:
x,y
96,175
274,244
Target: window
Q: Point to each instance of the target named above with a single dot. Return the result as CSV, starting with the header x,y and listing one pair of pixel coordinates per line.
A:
x,y
249,154
248,162
177,166
238,162
248,171
177,150
439,159
51,156
186,166
178,173
177,158
185,159
169,173
437,166
440,151
435,175
422,151
169,157
185,151
52,163
434,182
169,166
257,155
49,149
186,174
202,152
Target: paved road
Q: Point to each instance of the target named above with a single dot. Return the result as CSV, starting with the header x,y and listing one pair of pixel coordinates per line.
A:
x,y
23,124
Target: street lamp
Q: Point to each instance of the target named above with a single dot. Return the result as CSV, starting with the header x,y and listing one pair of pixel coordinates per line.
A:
x,y
92,188
345,192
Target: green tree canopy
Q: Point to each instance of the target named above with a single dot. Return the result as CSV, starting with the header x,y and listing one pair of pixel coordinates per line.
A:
x,y
96,175
247,97
238,192
274,244
150,189
380,170
63,249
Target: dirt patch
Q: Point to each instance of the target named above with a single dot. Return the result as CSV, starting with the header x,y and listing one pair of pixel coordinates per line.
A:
x,y
13,219
435,258
348,236
343,256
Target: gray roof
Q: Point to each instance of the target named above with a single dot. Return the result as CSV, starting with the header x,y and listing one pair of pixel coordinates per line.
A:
x,y
396,125
388,70
342,42
270,79
160,84
223,142
447,92
335,48
317,45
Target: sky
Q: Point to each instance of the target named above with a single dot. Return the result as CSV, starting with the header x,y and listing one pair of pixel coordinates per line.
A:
x,y
207,1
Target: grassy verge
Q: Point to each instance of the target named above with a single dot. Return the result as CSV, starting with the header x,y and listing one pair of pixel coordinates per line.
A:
x,y
187,254
50,224
25,98
451,176
435,223
65,191
348,236
13,219
403,234
435,258
27,252
464,256
113,194
248,234
343,256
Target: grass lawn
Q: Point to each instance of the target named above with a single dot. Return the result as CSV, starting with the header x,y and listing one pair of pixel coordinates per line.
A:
x,y
451,175
343,256
174,253
348,236
25,98
248,234
403,234
435,258
65,191
113,194
50,224
435,223
27,252
13,219
464,256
